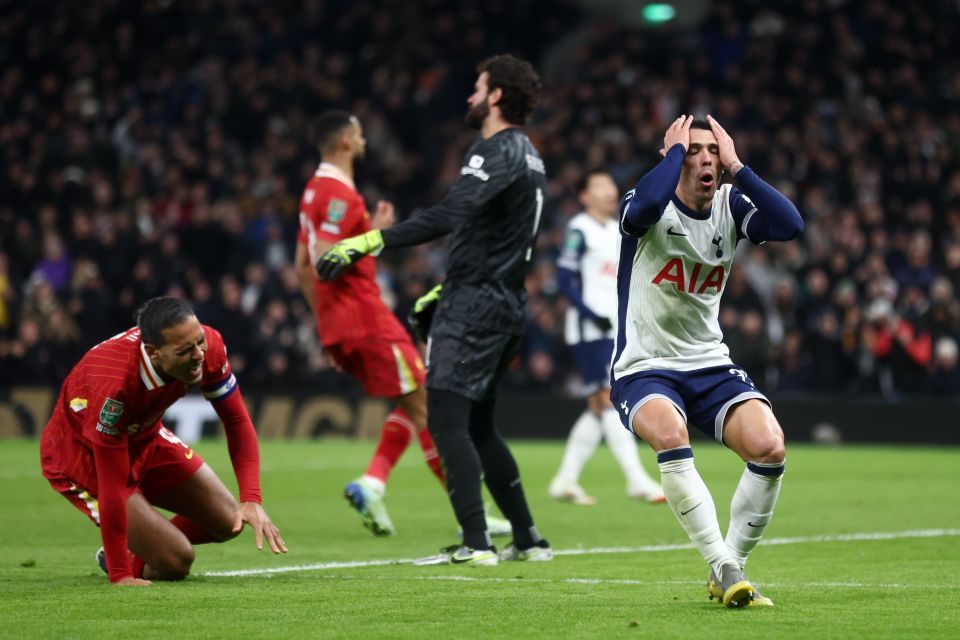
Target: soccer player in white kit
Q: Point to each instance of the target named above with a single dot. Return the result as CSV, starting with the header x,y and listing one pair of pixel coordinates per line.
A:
x,y
680,229
587,278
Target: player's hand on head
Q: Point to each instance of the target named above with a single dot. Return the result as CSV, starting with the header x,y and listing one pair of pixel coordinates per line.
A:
x,y
384,216
130,581
253,514
342,255
728,153
677,132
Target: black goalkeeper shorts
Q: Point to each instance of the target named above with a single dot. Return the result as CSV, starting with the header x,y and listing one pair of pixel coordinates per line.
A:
x,y
468,360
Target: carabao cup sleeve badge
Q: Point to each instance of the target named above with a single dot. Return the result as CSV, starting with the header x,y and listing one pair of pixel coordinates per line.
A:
x,y
110,412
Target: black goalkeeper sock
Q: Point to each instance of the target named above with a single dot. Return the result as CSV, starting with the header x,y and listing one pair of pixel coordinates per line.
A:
x,y
449,418
502,476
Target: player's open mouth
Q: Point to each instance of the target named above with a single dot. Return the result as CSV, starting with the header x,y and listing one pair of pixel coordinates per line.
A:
x,y
706,179
195,371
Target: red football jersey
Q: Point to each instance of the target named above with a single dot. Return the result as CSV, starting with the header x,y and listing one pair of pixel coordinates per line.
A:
x,y
348,308
114,397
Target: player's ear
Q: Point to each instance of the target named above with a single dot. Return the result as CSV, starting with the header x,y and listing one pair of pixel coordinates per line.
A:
x,y
495,95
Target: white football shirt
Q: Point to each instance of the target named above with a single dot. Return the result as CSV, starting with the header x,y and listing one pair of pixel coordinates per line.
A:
x,y
592,249
670,281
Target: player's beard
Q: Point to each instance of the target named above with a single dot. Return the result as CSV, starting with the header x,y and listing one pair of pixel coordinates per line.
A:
x,y
477,115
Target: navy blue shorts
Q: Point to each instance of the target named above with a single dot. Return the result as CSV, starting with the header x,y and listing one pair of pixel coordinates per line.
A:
x,y
593,360
702,396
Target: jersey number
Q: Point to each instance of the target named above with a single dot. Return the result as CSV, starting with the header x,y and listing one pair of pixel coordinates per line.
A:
x,y
536,224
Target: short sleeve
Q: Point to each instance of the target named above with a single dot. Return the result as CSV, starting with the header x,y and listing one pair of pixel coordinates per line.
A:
x,y
331,211
574,245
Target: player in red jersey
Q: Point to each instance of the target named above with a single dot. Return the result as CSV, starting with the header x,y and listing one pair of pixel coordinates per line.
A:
x,y
106,450
358,332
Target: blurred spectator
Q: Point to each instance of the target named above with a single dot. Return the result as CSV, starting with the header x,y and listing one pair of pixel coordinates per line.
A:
x,y
149,148
945,372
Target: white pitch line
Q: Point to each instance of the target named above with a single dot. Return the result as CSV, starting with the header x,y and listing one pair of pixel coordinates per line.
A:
x,y
842,537
629,582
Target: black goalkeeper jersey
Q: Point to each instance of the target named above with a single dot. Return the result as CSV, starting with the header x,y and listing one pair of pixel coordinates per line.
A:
x,y
493,211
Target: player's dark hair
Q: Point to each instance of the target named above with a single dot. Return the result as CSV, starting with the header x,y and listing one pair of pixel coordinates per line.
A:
x,y
519,83
327,126
156,314
700,123
584,181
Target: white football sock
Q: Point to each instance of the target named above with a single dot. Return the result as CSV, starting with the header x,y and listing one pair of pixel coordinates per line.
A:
x,y
691,502
623,445
752,507
374,484
581,443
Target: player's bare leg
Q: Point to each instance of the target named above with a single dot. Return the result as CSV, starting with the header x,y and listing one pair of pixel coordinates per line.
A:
x,y
155,541
660,424
752,431
206,502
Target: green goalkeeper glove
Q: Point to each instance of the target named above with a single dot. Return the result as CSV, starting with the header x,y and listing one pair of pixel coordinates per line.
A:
x,y
421,316
342,255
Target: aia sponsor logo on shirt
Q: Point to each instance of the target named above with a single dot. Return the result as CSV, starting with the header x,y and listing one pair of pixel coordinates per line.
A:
x,y
690,281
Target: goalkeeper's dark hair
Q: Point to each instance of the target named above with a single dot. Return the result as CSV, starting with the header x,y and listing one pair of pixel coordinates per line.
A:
x,y
519,83
326,127
157,314
584,181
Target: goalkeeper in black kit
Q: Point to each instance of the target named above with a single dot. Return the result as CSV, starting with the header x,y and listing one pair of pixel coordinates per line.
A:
x,y
493,211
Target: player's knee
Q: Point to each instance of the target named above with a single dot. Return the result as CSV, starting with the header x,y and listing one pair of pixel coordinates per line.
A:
x,y
769,449
671,438
175,563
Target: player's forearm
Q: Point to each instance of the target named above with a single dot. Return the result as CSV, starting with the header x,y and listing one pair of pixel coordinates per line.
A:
x,y
654,190
776,218
435,222
113,468
568,288
306,280
241,444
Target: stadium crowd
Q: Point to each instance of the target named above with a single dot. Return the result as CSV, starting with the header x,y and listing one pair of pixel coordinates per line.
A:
x,y
160,148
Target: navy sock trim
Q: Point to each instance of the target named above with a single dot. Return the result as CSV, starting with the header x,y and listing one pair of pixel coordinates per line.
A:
x,y
769,471
680,453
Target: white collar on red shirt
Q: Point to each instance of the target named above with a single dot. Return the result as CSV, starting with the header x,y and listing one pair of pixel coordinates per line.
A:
x,y
327,170
151,379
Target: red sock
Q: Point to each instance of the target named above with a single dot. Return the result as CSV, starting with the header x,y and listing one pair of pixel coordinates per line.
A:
x,y
431,456
189,528
394,438
136,563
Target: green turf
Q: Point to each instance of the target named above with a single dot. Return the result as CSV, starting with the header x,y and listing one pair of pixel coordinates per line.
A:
x,y
905,587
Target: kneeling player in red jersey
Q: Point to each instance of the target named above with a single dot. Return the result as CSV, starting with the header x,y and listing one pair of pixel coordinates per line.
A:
x,y
106,450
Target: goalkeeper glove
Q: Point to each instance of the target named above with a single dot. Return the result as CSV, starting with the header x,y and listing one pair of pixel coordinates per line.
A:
x,y
421,316
342,255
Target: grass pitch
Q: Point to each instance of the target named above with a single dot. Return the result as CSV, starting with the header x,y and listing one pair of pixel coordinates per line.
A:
x,y
619,573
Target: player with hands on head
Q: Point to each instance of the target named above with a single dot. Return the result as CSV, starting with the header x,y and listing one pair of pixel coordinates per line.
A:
x,y
106,450
680,230
493,213
587,278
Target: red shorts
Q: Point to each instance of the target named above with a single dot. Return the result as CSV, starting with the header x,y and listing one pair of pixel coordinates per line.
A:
x,y
385,368
157,465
